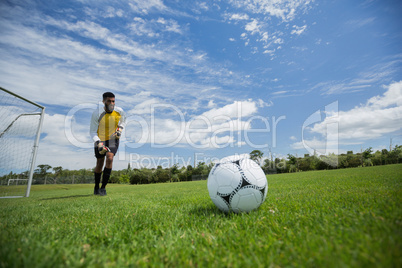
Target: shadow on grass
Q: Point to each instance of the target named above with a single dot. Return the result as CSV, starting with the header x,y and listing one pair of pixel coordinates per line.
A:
x,y
65,197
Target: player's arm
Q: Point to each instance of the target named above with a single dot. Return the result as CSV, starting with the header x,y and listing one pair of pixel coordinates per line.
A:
x,y
121,125
93,129
122,122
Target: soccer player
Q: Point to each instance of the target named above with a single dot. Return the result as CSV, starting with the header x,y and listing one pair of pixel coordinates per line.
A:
x,y
106,128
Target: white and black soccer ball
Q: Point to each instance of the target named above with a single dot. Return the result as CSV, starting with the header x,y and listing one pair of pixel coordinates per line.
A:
x,y
237,185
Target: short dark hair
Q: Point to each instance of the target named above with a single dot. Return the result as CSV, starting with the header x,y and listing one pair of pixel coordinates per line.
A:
x,y
108,95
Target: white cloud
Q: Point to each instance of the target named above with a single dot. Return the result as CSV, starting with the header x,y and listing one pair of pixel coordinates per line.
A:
x,y
298,30
264,37
380,115
253,27
155,27
358,23
392,97
237,109
111,12
259,18
209,129
237,17
203,6
64,70
141,27
320,146
173,26
366,79
145,107
56,150
284,10
279,92
278,41
146,6
262,103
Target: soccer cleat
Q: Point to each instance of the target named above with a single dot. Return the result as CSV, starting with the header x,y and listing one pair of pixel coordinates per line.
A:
x,y
96,192
102,192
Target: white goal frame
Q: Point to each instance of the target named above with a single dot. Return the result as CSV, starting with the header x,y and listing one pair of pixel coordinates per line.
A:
x,y
37,137
13,180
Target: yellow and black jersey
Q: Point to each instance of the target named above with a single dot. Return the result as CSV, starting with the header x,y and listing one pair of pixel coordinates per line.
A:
x,y
104,124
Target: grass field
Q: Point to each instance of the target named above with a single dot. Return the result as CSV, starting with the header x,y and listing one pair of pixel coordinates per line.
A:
x,y
339,218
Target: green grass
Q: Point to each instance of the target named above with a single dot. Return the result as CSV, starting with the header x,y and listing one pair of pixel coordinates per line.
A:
x,y
13,190
349,217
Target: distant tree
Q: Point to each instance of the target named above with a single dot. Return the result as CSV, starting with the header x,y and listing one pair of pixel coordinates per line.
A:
x,y
174,169
292,159
353,160
367,153
41,172
58,170
256,155
305,163
136,177
377,158
57,173
269,167
162,175
280,165
332,161
202,170
395,156
188,174
315,163
291,163
42,169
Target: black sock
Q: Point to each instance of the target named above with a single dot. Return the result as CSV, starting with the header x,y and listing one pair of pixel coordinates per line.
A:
x,y
106,175
97,179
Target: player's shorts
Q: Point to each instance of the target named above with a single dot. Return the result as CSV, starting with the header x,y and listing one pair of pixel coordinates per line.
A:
x,y
112,144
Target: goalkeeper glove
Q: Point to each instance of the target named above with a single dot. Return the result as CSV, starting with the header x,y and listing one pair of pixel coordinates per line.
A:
x,y
101,147
117,133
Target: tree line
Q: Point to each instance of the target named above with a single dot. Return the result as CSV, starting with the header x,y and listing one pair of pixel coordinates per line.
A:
x,y
314,162
45,174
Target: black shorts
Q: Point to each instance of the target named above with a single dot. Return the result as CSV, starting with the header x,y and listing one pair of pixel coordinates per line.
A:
x,y
113,145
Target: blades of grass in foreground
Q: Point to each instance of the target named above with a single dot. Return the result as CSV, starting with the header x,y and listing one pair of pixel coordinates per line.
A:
x,y
349,217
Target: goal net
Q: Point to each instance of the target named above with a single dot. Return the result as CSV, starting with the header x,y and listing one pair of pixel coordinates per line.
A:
x,y
20,127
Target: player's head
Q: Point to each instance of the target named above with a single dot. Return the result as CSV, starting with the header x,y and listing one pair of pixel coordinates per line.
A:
x,y
108,95
109,100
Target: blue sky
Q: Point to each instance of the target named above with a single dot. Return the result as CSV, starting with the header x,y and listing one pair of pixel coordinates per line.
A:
x,y
208,79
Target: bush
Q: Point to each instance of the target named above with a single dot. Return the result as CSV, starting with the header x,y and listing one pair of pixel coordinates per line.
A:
x,y
124,179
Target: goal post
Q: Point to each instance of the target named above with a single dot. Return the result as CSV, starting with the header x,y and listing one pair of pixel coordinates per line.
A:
x,y
20,128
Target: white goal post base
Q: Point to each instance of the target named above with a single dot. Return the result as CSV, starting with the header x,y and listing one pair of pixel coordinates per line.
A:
x,y
13,180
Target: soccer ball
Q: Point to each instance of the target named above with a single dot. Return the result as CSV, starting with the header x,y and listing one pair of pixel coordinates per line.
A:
x,y
237,185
